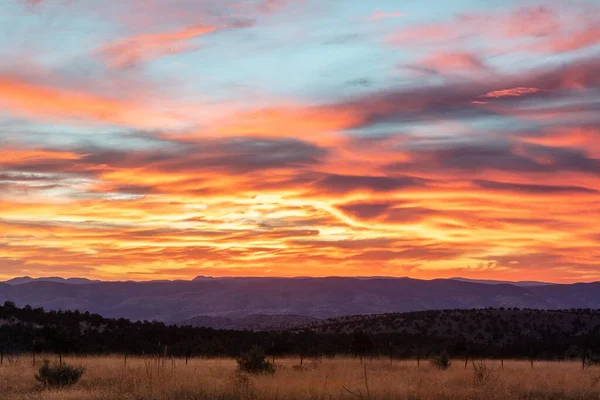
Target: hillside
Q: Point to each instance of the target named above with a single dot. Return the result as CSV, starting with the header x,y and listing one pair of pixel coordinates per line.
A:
x,y
483,326
489,333
177,301
255,322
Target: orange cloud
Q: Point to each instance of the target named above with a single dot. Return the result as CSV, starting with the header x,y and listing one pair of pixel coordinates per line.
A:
x,y
147,47
434,231
49,103
513,92
9,156
583,138
315,124
436,213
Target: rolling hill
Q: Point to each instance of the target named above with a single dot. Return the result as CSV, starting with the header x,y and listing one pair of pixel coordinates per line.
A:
x,y
543,334
477,326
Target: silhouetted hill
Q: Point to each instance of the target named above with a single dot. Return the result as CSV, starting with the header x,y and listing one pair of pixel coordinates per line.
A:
x,y
176,301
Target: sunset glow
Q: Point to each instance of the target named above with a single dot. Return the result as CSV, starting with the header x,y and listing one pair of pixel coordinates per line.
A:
x,y
168,139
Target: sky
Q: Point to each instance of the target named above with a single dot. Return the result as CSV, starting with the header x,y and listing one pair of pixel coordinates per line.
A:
x,y
153,139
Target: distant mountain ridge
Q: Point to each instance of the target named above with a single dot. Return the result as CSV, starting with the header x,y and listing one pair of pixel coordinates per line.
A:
x,y
177,301
494,282
27,279
78,281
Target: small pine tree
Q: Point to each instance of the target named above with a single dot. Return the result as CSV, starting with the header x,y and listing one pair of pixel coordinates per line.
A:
x,y
58,375
254,362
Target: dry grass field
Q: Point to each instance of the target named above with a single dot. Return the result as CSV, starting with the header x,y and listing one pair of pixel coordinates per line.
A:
x,y
341,378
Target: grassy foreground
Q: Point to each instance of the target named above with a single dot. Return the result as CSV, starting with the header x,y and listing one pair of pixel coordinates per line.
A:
x,y
340,378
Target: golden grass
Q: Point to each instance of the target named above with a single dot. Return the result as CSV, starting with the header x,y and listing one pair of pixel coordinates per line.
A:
x,y
340,378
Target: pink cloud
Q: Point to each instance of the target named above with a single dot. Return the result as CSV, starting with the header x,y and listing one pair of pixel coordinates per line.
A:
x,y
425,33
270,6
377,15
452,61
527,29
587,37
147,47
525,22
536,22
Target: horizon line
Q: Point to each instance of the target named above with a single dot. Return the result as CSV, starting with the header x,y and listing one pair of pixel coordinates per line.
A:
x,y
208,277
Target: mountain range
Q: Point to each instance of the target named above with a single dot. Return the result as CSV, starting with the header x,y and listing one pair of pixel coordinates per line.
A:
x,y
78,281
241,298
27,279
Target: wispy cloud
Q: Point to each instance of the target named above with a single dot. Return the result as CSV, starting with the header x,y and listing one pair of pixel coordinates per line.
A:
x,y
147,47
378,15
451,62
523,30
54,104
513,92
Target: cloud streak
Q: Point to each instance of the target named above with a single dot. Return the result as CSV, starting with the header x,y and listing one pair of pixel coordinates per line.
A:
x,y
38,101
147,47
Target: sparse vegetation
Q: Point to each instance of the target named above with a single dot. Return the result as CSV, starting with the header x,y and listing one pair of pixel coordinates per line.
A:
x,y
254,362
442,361
146,378
483,373
58,375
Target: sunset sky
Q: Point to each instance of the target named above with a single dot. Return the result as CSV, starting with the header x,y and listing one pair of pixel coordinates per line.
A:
x,y
155,139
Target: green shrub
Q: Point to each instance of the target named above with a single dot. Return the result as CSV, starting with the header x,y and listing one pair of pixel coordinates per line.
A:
x,y
254,362
442,361
58,375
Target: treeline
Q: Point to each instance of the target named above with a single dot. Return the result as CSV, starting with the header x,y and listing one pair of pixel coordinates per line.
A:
x,y
34,330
